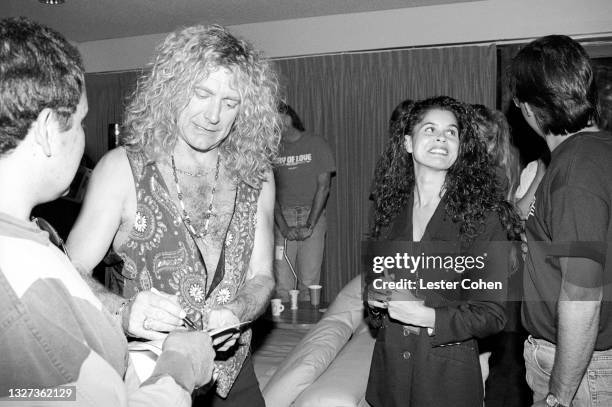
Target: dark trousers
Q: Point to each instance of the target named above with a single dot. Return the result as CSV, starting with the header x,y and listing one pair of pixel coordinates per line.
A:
x,y
244,392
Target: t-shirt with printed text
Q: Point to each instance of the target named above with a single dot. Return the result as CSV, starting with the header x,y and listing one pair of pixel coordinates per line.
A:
x,y
297,167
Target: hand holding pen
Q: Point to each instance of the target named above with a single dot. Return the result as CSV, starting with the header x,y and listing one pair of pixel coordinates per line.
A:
x,y
223,327
151,314
219,322
189,324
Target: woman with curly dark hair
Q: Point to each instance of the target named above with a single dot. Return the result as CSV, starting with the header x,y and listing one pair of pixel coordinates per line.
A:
x,y
439,187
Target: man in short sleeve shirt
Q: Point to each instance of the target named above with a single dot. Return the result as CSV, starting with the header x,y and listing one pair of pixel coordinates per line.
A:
x,y
303,177
566,307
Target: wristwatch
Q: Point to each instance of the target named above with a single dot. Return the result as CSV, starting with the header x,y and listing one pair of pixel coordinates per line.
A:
x,y
553,401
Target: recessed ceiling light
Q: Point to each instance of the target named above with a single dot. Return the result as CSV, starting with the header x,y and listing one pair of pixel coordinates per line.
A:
x,y
52,2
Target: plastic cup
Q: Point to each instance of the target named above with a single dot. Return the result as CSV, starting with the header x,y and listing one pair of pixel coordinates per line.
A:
x,y
315,294
294,298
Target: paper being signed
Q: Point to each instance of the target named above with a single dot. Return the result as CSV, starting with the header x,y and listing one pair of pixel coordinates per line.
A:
x,y
144,354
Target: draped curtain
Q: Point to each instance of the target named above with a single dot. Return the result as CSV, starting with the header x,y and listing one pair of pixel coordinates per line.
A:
x,y
107,95
348,98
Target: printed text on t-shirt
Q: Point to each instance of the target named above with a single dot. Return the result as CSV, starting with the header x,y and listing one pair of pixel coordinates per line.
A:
x,y
291,160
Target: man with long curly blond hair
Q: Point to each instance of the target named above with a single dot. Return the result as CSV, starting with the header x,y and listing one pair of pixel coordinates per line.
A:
x,y
57,340
187,201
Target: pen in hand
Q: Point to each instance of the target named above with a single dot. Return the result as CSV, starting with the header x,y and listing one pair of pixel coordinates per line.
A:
x,y
186,320
190,324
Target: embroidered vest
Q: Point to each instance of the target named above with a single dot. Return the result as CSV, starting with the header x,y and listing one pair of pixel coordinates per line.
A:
x,y
161,253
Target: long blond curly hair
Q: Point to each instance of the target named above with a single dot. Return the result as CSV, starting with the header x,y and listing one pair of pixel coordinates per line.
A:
x,y
185,58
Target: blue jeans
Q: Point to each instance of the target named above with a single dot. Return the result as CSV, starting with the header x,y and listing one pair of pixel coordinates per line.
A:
x,y
306,256
595,389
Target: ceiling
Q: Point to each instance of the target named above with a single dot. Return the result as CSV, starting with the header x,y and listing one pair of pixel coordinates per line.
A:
x,y
90,20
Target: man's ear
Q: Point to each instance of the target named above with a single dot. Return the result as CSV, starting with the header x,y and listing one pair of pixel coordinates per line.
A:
x,y
408,143
44,127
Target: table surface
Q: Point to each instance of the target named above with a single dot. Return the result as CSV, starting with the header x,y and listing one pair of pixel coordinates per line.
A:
x,y
302,318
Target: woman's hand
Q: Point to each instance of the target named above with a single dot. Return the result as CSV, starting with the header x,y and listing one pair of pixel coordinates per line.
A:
x,y
412,313
377,305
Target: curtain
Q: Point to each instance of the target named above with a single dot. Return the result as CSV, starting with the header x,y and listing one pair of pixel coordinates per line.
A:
x,y
107,96
347,99
506,53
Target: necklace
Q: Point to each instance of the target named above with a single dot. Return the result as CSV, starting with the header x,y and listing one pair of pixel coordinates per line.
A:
x,y
192,174
186,218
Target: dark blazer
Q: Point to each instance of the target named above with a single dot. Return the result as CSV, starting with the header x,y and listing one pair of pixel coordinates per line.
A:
x,y
442,369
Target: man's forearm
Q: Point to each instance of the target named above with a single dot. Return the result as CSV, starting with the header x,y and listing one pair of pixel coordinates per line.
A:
x,y
279,218
578,323
112,302
252,298
318,204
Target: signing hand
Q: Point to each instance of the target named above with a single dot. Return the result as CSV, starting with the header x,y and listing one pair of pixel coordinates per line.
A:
x,y
219,318
152,314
